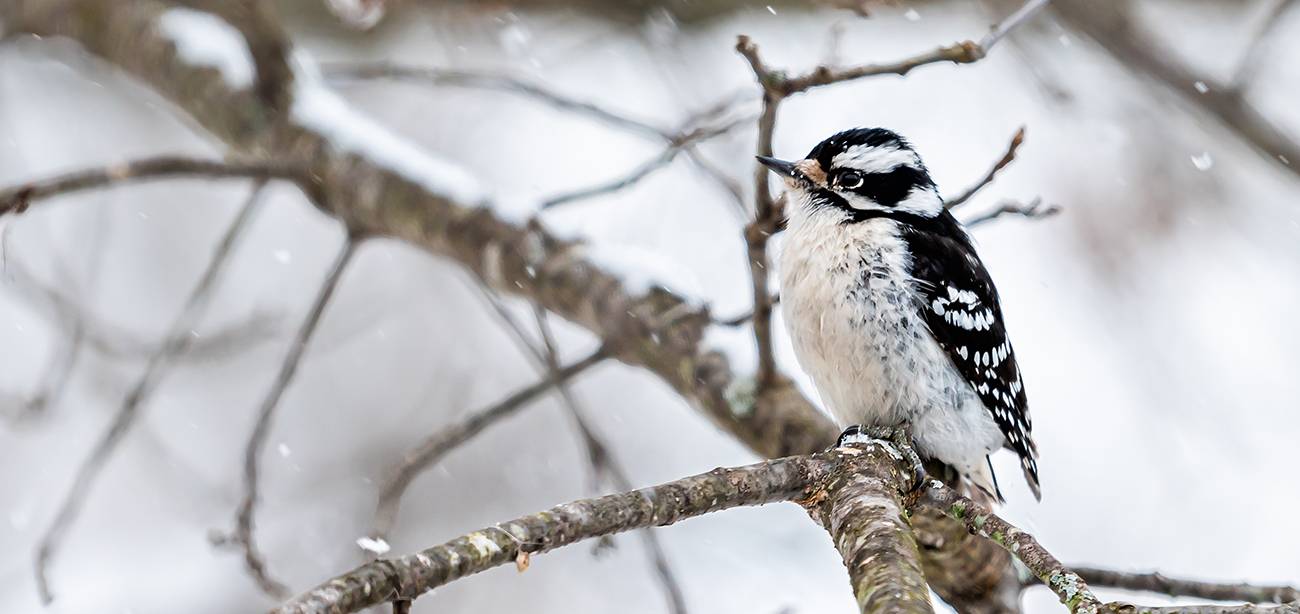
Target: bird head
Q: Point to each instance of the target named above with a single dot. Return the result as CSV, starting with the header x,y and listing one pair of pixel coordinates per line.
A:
x,y
860,174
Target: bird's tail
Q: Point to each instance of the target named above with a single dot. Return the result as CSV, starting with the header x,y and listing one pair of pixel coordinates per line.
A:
x,y
982,485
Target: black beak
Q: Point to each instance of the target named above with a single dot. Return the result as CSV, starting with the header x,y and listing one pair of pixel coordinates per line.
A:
x,y
780,167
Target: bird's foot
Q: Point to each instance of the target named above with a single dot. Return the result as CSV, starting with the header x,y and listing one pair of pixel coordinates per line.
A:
x,y
901,438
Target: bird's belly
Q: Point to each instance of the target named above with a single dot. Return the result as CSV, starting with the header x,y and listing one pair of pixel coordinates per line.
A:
x,y
860,336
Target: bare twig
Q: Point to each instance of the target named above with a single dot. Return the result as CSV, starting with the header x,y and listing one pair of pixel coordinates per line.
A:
x,y
1013,21
603,462
115,342
244,522
678,144
497,82
1110,24
1016,141
435,446
744,318
1034,209
177,340
965,52
815,480
18,198
1153,582
1253,58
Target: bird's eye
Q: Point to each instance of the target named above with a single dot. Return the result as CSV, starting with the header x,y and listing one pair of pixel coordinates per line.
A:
x,y
850,180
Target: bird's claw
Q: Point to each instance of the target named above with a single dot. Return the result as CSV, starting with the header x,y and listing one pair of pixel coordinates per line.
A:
x,y
898,435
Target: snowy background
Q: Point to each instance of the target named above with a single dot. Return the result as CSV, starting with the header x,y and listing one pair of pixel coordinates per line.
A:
x,y
1155,319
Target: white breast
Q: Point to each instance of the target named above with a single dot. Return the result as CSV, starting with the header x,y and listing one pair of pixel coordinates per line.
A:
x,y
851,310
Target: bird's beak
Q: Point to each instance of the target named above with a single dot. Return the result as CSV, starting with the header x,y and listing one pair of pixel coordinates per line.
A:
x,y
780,167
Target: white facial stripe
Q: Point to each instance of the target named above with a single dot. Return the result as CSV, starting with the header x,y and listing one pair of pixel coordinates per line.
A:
x,y
920,201
882,159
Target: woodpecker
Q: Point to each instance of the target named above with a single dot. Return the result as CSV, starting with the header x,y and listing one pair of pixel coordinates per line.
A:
x,y
890,310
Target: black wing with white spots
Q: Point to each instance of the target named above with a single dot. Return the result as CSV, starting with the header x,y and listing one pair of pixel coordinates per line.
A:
x,y
964,316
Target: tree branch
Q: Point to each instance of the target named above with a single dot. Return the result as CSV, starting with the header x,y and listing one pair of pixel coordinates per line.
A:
x,y
603,463
17,199
1007,158
177,341
1070,586
440,443
244,520
356,71
1109,23
825,480
965,52
1175,587
864,515
1034,209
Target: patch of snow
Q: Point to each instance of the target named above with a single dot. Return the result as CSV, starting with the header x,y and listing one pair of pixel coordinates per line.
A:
x,y
318,108
373,544
359,14
203,39
643,270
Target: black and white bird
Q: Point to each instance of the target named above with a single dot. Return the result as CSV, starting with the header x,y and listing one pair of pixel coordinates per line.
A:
x,y
891,311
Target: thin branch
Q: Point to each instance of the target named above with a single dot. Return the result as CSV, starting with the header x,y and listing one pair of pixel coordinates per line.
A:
x,y
1109,23
744,318
114,342
177,341
1072,586
965,52
244,522
448,438
1153,582
824,480
17,199
1013,21
1072,590
1253,58
603,462
497,82
1034,209
678,144
1007,158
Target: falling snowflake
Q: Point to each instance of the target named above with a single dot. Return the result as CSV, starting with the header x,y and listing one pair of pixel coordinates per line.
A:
x,y
1203,161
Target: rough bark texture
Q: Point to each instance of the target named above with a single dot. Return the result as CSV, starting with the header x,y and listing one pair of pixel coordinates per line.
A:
x,y
525,262
856,491
863,511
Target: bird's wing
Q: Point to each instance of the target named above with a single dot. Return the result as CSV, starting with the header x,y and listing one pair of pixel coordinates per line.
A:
x,y
964,316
